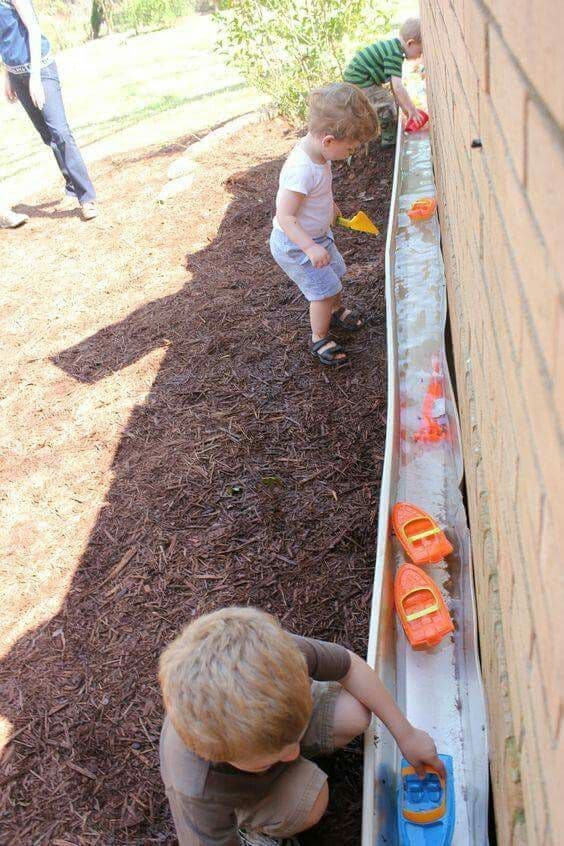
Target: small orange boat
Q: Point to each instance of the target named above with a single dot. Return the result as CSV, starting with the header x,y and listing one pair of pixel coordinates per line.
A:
x,y
423,209
434,424
421,607
420,536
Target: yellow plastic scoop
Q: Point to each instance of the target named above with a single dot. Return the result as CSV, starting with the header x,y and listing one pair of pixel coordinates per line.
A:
x,y
360,222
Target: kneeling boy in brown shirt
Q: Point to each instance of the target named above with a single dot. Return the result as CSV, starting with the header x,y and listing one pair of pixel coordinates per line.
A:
x,y
247,704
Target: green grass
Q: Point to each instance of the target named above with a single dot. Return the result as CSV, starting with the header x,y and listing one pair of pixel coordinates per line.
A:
x,y
125,93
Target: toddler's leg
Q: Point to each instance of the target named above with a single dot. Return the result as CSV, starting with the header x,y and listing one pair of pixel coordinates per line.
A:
x,y
296,801
317,811
320,312
342,317
351,718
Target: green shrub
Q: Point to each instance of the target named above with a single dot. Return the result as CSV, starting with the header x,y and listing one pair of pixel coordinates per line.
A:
x,y
287,47
139,14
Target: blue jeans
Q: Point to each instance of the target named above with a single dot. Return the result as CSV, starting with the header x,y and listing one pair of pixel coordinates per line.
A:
x,y
315,283
51,123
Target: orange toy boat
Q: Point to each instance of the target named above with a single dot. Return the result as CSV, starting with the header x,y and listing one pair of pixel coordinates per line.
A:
x,y
434,426
423,209
422,539
421,608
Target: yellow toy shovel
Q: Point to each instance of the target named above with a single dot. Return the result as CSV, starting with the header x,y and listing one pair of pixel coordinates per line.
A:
x,y
360,222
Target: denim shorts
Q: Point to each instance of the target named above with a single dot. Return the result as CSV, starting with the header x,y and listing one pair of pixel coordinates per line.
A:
x,y
315,283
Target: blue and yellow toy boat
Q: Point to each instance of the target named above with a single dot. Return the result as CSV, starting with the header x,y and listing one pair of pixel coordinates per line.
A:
x,y
426,806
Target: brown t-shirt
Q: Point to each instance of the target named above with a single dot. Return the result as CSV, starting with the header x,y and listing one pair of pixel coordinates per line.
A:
x,y
203,795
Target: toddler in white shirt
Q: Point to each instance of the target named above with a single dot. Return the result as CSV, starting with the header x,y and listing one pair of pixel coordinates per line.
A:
x,y
302,244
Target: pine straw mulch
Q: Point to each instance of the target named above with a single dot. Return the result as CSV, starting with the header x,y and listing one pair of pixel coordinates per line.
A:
x,y
249,474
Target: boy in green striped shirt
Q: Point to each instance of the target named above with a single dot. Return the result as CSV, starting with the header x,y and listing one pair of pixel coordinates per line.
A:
x,y
380,63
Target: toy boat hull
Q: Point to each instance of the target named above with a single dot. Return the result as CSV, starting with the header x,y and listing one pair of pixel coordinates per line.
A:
x,y
426,808
424,542
421,608
423,209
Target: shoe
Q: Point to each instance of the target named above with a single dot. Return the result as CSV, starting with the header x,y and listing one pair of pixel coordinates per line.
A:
x,y
11,220
250,838
388,129
89,211
388,137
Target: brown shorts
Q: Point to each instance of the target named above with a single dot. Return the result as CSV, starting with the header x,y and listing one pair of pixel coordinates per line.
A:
x,y
285,809
382,99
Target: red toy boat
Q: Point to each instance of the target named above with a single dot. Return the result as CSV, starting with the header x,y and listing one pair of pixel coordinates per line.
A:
x,y
410,125
421,607
422,209
434,426
422,539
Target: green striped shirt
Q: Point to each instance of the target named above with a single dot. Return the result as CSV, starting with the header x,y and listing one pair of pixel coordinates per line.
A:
x,y
376,63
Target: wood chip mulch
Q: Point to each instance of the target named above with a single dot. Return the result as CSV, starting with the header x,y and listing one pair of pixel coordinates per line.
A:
x,y
249,475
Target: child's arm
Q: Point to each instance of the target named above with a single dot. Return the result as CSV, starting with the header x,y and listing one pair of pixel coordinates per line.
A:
x,y
416,745
405,101
27,15
286,210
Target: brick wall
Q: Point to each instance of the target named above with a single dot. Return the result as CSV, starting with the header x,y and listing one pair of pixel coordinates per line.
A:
x,y
496,73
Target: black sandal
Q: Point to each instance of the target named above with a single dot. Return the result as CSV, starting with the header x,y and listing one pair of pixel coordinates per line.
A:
x,y
328,356
350,322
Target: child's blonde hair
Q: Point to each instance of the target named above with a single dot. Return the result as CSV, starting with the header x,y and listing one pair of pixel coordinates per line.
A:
x,y
341,110
235,685
410,30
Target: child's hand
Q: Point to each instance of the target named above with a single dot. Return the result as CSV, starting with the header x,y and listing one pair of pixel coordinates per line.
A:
x,y
318,255
416,117
419,749
336,212
36,91
8,90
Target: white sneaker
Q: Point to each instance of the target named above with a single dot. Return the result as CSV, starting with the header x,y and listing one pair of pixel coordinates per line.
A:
x,y
11,220
89,211
249,838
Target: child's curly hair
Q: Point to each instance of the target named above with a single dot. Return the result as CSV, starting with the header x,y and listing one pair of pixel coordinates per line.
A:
x,y
342,110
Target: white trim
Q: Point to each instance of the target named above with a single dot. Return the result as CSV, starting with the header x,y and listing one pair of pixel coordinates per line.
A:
x,y
21,69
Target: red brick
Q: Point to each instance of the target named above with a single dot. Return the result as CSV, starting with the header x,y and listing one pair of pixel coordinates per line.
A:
x,y
551,772
494,150
558,379
476,36
515,22
545,435
519,831
543,59
539,282
535,810
545,166
504,278
549,601
509,93
540,56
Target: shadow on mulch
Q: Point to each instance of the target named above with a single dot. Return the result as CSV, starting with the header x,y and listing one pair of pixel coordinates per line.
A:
x,y
249,476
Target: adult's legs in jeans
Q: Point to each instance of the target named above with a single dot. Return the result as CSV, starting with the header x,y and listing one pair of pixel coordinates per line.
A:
x,y
52,125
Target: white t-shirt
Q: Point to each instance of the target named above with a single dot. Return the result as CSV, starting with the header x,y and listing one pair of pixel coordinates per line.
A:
x,y
299,173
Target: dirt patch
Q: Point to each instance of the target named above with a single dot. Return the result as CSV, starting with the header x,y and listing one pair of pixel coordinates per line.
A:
x,y
172,447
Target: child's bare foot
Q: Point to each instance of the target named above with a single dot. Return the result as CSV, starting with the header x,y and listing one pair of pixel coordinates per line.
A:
x,y
328,352
349,321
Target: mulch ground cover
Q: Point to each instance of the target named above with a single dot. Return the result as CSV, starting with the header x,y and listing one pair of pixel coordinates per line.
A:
x,y
249,474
